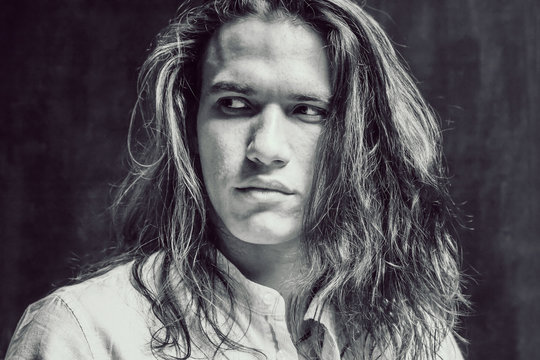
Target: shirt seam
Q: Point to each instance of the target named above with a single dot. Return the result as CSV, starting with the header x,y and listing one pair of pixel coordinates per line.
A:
x,y
59,297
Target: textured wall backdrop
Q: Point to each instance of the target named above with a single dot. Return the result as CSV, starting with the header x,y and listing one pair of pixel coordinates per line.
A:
x,y
68,83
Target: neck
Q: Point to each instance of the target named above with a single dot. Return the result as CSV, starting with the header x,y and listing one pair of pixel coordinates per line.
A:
x,y
272,265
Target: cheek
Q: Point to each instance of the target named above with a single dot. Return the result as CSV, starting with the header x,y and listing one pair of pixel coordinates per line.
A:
x,y
306,149
212,155
220,151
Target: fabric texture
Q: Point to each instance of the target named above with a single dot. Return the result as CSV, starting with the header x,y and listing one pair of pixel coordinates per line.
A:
x,y
107,318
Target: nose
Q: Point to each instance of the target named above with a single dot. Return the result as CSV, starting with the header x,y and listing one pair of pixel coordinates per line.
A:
x,y
268,144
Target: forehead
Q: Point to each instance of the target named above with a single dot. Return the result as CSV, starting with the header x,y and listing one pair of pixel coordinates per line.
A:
x,y
258,50
265,37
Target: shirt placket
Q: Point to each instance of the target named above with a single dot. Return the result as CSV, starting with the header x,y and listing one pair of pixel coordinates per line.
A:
x,y
284,348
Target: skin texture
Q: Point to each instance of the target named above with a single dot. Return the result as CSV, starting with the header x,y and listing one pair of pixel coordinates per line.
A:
x,y
265,90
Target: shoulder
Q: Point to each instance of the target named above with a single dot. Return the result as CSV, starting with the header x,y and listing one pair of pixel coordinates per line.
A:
x,y
88,320
449,349
48,329
103,293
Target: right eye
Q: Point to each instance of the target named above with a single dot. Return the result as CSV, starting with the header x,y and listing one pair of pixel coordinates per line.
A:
x,y
234,106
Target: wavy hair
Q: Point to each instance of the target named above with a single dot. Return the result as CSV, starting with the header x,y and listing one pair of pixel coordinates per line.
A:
x,y
377,238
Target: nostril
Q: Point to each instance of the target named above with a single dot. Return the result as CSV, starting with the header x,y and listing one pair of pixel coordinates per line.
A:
x,y
264,157
267,161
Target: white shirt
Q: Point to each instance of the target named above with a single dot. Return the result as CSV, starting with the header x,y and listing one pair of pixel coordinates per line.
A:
x,y
107,318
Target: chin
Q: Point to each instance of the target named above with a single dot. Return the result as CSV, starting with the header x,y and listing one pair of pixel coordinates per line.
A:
x,y
269,235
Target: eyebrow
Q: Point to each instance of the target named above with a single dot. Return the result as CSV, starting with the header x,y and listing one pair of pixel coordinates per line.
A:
x,y
230,86
247,90
310,98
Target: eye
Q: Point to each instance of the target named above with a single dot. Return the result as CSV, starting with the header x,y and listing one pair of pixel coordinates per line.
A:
x,y
233,106
310,113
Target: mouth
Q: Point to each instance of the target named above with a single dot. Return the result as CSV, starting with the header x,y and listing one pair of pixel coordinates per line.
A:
x,y
263,190
259,195
265,186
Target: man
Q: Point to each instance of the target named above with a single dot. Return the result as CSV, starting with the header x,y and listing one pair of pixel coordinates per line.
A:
x,y
288,204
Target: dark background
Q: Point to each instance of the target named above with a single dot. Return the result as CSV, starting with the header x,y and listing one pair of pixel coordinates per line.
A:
x,y
68,81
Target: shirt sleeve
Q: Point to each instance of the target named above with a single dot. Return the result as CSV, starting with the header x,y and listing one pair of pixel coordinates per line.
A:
x,y
48,330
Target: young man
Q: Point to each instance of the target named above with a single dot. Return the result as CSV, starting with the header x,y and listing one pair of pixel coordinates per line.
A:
x,y
289,203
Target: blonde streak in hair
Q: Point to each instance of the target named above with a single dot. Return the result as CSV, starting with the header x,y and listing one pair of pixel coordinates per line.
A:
x,y
143,85
166,111
180,224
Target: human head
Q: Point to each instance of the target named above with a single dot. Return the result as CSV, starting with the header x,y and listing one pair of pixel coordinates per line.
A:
x,y
374,228
374,111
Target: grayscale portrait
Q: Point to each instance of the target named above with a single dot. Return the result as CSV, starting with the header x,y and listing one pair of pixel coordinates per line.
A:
x,y
270,179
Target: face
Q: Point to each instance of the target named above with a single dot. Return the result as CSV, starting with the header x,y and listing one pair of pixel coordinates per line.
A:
x,y
264,96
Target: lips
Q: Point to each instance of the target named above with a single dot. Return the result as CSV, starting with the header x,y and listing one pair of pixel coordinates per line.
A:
x,y
264,191
265,186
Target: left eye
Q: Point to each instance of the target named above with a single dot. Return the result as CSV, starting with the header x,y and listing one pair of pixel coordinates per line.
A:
x,y
310,113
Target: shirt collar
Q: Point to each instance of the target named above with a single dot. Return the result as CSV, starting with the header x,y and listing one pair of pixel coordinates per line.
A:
x,y
266,301
258,298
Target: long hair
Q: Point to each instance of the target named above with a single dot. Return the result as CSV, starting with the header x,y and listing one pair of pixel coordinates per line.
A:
x,y
377,228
